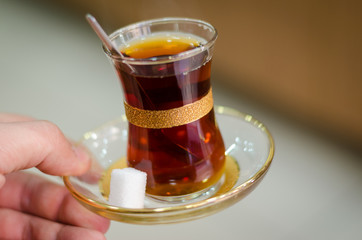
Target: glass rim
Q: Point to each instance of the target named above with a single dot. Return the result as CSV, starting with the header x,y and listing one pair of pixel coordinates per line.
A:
x,y
162,59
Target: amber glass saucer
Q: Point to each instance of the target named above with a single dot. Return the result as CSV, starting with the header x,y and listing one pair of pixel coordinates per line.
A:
x,y
250,150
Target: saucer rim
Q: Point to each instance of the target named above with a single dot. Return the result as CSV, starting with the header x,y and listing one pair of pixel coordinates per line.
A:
x,y
194,205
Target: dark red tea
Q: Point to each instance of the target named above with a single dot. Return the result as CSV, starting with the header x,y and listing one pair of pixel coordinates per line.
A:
x,y
182,159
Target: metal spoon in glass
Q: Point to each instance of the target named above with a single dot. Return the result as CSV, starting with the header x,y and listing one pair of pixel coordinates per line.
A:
x,y
102,35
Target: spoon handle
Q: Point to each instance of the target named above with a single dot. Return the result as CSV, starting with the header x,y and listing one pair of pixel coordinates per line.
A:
x,y
102,34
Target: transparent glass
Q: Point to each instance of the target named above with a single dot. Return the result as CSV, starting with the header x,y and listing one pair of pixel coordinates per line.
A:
x,y
183,160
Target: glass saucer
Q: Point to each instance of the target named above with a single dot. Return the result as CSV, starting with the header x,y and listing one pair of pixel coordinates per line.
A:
x,y
250,150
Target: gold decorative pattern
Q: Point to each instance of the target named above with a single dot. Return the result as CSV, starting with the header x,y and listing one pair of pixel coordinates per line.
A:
x,y
158,119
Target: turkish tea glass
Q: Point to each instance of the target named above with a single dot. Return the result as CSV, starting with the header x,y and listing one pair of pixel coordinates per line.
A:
x,y
173,133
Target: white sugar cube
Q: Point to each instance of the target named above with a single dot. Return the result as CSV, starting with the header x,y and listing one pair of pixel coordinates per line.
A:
x,y
127,188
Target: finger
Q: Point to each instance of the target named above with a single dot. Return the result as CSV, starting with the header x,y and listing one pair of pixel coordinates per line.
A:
x,y
39,144
10,117
32,194
16,225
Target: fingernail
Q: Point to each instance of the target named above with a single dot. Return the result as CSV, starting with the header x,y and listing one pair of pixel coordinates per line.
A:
x,y
81,153
83,157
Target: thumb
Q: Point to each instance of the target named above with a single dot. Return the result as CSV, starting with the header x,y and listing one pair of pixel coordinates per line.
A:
x,y
39,144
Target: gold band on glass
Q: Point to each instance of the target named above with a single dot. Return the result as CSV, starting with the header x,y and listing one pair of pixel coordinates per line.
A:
x,y
170,118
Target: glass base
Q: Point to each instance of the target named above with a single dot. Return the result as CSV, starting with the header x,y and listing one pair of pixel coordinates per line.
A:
x,y
196,196
104,184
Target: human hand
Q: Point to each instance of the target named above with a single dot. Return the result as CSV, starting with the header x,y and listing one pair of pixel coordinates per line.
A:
x,y
30,206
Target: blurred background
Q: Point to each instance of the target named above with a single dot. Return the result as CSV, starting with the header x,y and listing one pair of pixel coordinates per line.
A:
x,y
301,58
294,65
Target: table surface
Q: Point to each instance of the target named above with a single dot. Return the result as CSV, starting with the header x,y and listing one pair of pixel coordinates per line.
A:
x,y
52,67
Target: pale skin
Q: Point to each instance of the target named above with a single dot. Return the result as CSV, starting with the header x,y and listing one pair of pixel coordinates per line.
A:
x,y
30,206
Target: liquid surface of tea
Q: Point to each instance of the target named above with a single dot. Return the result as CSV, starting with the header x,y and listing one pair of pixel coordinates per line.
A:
x,y
160,45
178,160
